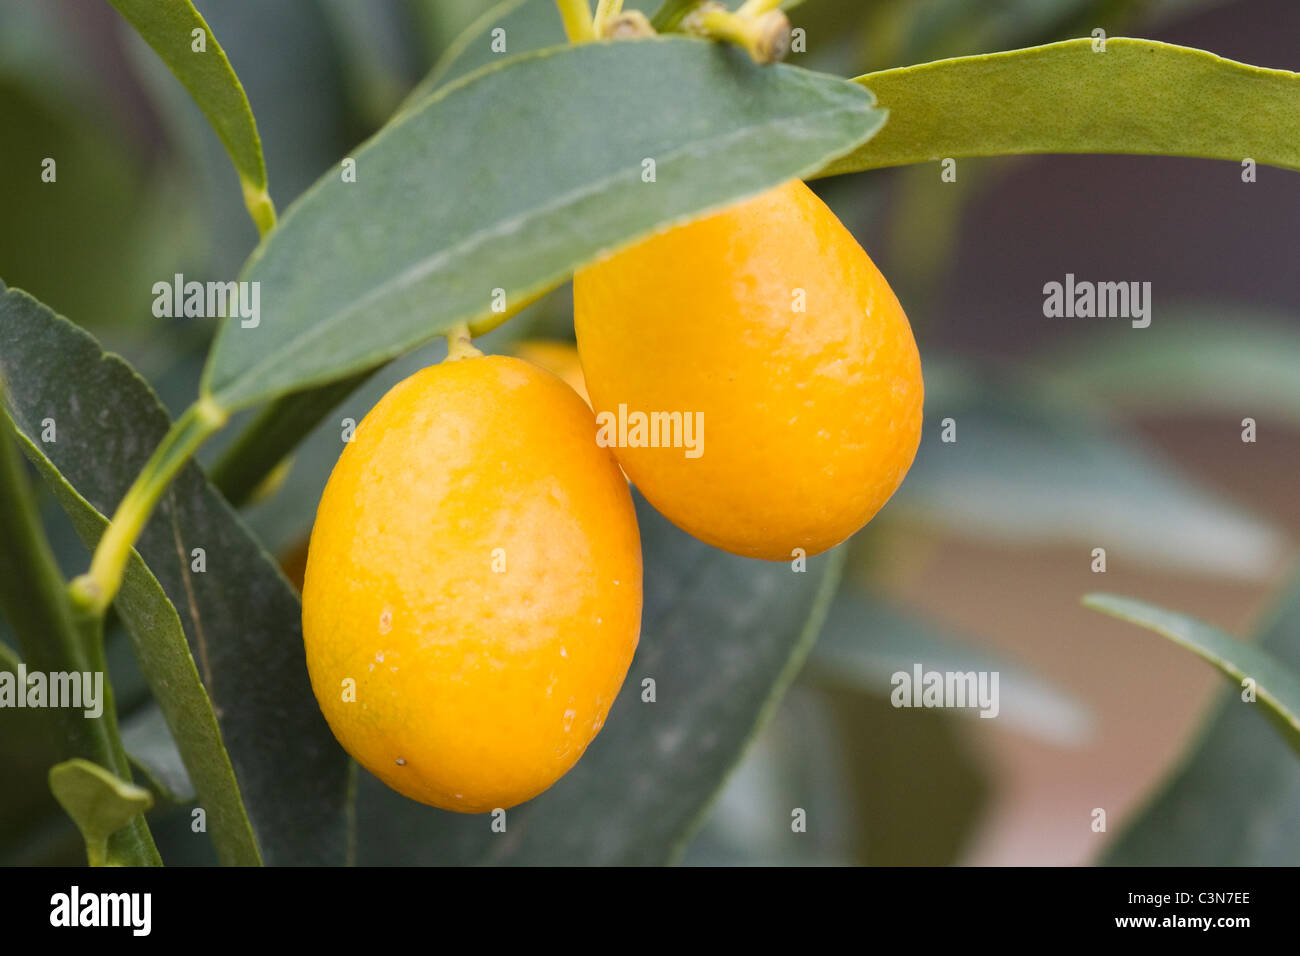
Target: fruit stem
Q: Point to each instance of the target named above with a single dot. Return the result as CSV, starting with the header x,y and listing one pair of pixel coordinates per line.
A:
x,y
95,590
765,34
752,9
260,206
576,15
605,9
460,344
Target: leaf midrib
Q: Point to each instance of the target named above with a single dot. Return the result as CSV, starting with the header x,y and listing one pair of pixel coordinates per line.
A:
x,y
521,221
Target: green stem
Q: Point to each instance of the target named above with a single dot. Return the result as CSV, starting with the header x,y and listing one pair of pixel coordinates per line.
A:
x,y
57,637
133,844
97,852
751,9
267,440
576,15
260,207
496,319
460,344
96,589
604,10
765,37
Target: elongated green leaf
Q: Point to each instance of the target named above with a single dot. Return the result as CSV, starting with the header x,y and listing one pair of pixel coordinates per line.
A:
x,y
98,802
240,617
472,192
1139,96
1235,798
905,32
183,40
56,638
721,637
1276,686
1030,466
867,640
157,636
505,29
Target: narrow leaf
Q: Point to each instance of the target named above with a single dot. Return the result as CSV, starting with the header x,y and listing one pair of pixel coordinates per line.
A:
x,y
867,640
1030,466
1139,96
1275,685
183,40
474,191
240,617
55,636
1234,800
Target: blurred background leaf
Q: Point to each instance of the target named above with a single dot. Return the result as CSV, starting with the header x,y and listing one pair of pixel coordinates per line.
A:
x,y
1228,360
175,30
1029,465
867,639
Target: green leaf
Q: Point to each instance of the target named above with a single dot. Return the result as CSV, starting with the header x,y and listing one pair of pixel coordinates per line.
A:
x,y
797,760
155,628
173,28
721,637
57,637
1225,360
1031,465
902,32
1276,687
1234,800
867,639
98,802
474,195
1139,96
240,617
267,439
525,25
880,786
287,63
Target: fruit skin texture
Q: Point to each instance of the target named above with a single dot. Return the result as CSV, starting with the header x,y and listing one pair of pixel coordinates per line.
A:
x,y
811,418
475,688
